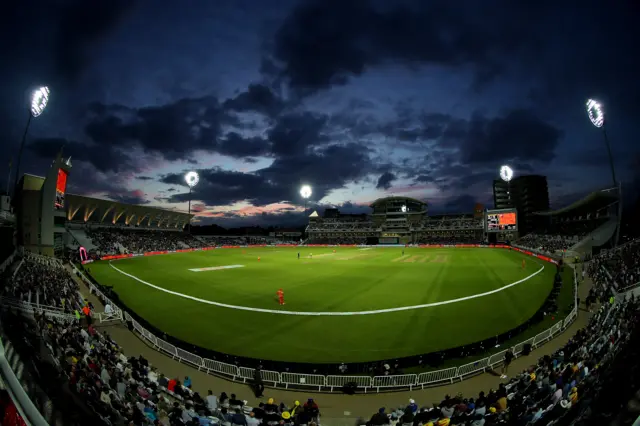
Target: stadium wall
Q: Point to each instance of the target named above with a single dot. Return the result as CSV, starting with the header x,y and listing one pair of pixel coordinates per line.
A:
x,y
335,383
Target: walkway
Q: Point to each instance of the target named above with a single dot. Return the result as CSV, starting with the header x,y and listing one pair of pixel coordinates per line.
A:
x,y
337,409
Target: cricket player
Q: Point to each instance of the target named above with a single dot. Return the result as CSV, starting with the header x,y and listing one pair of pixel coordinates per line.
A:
x,y
524,264
280,294
298,255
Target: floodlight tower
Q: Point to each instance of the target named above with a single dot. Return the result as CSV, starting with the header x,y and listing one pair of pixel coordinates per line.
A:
x,y
506,174
305,192
596,115
39,101
192,180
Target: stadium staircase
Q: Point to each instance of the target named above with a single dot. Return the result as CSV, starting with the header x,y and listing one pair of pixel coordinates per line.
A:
x,y
597,238
82,239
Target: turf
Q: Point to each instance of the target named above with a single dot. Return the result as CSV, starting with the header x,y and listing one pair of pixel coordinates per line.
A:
x,y
348,280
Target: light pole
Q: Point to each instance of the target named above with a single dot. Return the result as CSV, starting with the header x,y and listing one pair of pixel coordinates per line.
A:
x,y
506,174
596,115
305,192
39,101
192,180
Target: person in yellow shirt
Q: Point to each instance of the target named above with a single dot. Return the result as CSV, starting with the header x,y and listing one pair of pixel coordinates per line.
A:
x,y
296,407
502,403
444,421
573,395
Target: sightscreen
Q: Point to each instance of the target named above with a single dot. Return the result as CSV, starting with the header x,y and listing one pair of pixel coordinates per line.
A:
x,y
388,240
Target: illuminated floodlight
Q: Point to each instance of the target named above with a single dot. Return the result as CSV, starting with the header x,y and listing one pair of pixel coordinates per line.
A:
x,y
39,100
403,209
596,114
506,173
192,179
305,191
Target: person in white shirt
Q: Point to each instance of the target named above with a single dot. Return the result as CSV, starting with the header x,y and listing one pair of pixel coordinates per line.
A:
x,y
104,396
212,401
105,376
251,419
188,413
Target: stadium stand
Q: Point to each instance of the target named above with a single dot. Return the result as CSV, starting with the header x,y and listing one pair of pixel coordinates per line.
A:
x,y
222,240
342,240
416,228
109,240
556,388
345,229
579,227
548,243
43,281
448,237
121,240
106,386
618,268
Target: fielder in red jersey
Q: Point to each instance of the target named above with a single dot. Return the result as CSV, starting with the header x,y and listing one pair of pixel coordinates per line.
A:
x,y
280,294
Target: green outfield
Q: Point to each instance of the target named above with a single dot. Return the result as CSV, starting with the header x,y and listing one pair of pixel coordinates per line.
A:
x,y
347,305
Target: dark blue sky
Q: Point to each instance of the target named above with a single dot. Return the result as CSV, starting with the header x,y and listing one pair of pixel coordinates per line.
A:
x,y
359,99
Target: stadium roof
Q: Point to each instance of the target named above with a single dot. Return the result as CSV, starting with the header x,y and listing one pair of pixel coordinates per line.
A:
x,y
395,198
594,201
96,210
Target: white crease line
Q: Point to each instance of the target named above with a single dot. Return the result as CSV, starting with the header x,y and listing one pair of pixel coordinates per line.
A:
x,y
328,314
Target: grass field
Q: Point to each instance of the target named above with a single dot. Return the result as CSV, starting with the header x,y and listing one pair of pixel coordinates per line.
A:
x,y
351,305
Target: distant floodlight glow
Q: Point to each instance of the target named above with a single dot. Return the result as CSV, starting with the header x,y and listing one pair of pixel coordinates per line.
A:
x,y
192,179
506,173
305,191
39,100
403,209
596,114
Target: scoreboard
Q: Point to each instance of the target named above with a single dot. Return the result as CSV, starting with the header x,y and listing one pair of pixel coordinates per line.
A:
x,y
501,220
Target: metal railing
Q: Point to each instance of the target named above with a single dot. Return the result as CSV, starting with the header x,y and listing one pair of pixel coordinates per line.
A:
x,y
32,308
331,383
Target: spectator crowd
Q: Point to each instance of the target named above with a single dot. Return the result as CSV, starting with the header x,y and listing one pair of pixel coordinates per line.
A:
x,y
619,267
220,241
450,238
123,390
560,236
335,240
43,281
116,240
548,243
558,385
